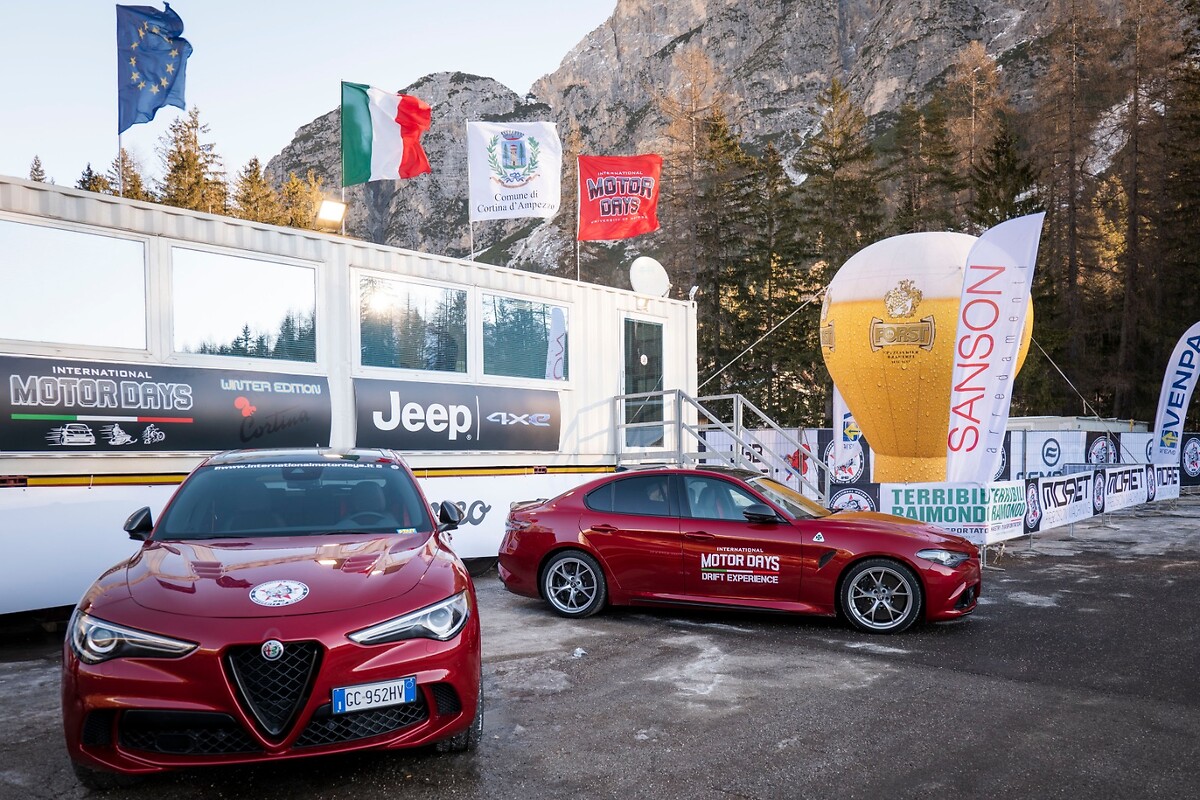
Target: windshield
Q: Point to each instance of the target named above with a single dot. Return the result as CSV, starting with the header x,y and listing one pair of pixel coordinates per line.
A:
x,y
294,499
787,498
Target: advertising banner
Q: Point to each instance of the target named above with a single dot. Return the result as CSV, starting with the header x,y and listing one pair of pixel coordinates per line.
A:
x,y
1175,396
436,417
1165,485
1102,448
69,406
1189,460
514,169
1054,501
983,514
618,196
991,317
860,497
1125,486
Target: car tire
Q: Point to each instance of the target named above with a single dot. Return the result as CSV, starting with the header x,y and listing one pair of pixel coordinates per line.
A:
x,y
100,781
880,595
573,584
468,740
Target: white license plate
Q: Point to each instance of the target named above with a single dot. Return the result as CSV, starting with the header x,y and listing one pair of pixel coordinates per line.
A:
x,y
374,695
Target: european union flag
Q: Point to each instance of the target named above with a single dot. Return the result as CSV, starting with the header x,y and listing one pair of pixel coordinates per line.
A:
x,y
151,59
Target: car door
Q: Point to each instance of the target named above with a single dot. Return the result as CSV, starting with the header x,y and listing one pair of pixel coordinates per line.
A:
x,y
727,557
632,524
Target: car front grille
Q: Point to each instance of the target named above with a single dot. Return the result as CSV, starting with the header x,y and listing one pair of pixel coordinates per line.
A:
x,y
190,733
274,691
329,728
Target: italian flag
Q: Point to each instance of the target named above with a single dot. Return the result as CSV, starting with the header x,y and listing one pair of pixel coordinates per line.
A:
x,y
381,134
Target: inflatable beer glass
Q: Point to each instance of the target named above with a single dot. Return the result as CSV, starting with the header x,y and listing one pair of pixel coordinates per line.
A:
x,y
888,327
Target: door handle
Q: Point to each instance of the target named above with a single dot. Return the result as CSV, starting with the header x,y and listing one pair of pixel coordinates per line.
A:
x,y
605,528
701,536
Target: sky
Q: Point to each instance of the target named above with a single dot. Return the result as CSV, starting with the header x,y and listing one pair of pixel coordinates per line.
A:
x,y
259,70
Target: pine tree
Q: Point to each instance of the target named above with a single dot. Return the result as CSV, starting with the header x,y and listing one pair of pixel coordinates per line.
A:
x,y
192,172
254,198
841,202
36,173
1005,183
1070,98
125,177
93,182
922,165
686,108
974,99
1180,237
300,200
723,268
1151,35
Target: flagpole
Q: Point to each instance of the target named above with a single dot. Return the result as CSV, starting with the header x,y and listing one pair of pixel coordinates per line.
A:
x,y
578,216
120,168
470,225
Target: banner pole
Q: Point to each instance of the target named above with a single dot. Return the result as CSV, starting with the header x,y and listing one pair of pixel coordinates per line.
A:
x,y
470,222
120,168
578,216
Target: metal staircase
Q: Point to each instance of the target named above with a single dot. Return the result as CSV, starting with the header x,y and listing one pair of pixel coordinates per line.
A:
x,y
672,427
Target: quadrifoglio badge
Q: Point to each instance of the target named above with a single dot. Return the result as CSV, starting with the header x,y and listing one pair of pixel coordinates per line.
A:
x,y
279,593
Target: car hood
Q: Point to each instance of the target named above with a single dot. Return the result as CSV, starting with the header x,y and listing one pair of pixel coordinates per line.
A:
x,y
277,576
922,533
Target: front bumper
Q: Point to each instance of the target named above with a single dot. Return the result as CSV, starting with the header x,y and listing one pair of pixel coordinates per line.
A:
x,y
143,715
951,593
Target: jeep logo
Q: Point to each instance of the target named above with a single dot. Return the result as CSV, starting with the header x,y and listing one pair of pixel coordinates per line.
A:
x,y
414,417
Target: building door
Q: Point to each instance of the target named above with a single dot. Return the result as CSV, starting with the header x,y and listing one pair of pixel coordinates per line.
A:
x,y
643,373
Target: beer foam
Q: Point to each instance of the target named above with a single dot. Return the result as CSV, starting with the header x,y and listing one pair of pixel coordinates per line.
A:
x,y
934,263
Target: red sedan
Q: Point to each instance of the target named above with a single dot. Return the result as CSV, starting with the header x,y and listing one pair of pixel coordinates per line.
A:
x,y
733,539
287,603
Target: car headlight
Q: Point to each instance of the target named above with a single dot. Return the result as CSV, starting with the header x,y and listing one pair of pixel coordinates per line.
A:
x,y
947,558
439,621
95,640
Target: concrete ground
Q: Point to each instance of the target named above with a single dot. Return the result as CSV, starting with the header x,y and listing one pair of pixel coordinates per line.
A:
x,y
1077,677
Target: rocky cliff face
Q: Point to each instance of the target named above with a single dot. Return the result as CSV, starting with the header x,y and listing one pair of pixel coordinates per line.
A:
x,y
772,59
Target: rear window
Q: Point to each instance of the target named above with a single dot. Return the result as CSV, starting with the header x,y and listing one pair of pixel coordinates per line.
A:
x,y
294,499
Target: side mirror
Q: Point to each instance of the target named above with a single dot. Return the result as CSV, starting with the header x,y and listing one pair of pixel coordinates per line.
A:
x,y
139,524
450,516
760,512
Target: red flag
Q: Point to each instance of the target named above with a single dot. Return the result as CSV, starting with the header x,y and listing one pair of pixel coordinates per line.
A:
x,y
618,196
413,115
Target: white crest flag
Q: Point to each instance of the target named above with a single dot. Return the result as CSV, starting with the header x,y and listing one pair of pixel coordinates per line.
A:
x,y
991,314
514,170
1173,399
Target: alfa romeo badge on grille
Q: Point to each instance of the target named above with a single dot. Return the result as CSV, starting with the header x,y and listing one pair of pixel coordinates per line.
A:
x,y
278,593
272,649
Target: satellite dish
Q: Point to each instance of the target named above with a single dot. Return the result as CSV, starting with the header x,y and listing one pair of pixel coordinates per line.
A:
x,y
647,276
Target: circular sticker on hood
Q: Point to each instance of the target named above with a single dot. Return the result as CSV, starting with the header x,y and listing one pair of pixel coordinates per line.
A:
x,y
279,593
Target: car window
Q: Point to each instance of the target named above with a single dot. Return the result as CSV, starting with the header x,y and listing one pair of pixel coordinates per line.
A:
x,y
645,495
600,499
294,499
712,498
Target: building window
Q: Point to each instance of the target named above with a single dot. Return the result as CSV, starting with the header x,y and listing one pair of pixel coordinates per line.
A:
x,y
412,326
233,306
524,339
68,287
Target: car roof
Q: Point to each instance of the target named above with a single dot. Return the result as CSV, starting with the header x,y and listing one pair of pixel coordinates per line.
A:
x,y
314,455
720,469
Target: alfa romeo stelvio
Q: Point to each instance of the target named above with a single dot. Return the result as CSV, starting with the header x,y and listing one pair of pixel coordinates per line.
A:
x,y
286,603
